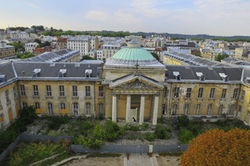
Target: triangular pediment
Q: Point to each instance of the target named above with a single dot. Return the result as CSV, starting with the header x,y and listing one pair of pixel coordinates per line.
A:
x,y
135,82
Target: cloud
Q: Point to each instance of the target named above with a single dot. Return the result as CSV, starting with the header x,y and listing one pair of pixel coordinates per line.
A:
x,y
97,15
33,5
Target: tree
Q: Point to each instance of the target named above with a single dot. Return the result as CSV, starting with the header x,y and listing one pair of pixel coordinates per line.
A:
x,y
27,55
198,54
18,46
220,57
217,147
86,57
141,34
47,43
38,41
155,56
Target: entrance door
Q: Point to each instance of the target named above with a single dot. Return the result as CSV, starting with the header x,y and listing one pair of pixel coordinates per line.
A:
x,y
133,114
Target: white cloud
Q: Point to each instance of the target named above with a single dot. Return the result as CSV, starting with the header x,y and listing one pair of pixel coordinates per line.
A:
x,y
33,5
97,15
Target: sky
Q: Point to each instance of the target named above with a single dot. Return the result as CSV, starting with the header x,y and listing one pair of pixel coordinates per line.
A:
x,y
213,17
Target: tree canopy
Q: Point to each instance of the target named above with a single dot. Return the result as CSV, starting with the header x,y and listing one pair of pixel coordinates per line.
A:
x,y
155,56
217,147
18,46
220,57
141,34
73,33
38,41
87,57
25,55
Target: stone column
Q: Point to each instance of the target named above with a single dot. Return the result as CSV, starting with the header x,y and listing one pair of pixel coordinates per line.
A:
x,y
142,106
114,108
155,115
128,108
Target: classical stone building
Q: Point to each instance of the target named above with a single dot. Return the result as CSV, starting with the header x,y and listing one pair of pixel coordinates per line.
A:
x,y
131,85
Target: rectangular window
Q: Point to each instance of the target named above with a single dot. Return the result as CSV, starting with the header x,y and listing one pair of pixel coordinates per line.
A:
x,y
14,92
242,95
212,93
235,94
22,89
48,88
200,93
35,89
7,96
74,90
163,109
188,94
224,92
61,90
100,91
87,88
165,92
176,92
1,104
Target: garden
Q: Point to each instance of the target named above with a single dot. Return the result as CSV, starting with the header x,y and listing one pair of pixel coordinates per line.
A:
x,y
96,132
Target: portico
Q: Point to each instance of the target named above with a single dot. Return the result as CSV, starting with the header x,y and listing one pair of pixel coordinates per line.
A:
x,y
135,97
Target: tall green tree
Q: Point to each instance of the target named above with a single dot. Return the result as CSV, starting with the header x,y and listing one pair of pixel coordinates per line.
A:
x,y
155,56
220,57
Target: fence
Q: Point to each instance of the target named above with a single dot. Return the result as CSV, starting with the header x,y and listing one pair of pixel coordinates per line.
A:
x,y
104,149
131,149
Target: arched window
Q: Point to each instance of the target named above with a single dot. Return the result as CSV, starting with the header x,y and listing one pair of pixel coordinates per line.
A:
x,y
50,108
1,121
37,106
10,114
101,110
186,109
75,108
198,109
231,110
220,109
88,109
24,105
209,109
174,109
63,109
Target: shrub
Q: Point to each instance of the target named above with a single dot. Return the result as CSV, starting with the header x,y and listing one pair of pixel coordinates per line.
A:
x,y
87,125
144,126
169,128
186,136
195,128
98,132
161,119
149,136
100,117
54,122
183,120
111,131
160,132
134,128
27,116
217,147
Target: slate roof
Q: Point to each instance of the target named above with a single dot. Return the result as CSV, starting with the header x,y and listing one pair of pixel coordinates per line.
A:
x,y
6,69
74,70
56,56
210,73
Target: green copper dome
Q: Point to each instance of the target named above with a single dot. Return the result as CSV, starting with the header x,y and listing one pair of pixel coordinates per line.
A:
x,y
132,53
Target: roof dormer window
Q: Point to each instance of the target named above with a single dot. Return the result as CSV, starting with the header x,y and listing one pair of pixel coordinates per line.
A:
x,y
224,76
62,73
88,72
36,72
177,75
201,76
